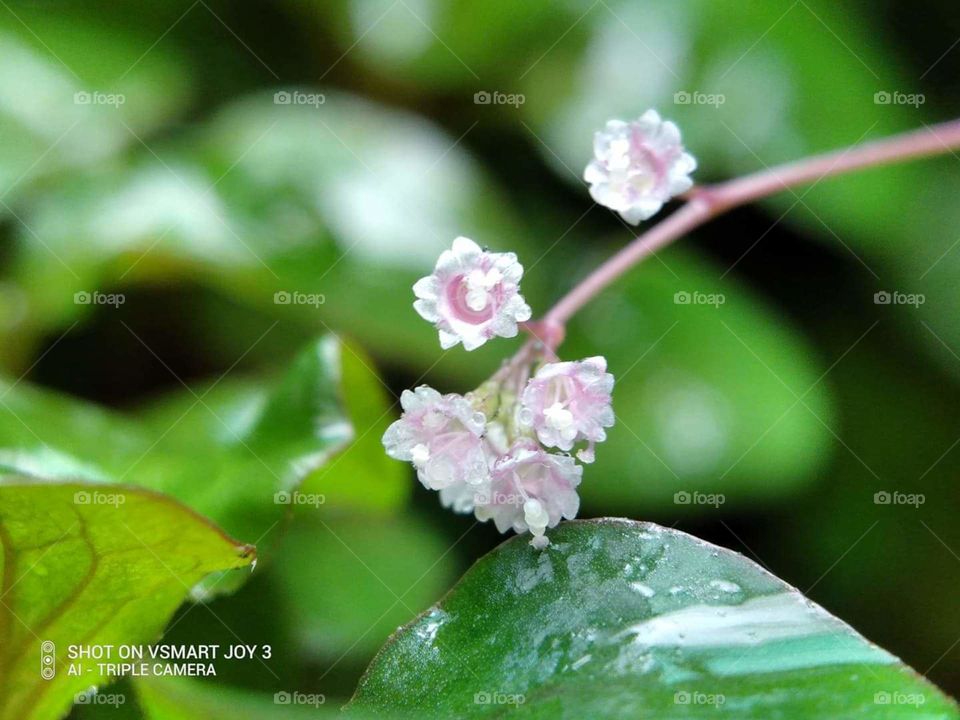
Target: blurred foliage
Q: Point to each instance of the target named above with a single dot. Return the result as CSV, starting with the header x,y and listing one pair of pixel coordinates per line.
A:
x,y
203,200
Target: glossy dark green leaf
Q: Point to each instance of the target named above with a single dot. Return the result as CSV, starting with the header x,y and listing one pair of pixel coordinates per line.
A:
x,y
626,619
90,564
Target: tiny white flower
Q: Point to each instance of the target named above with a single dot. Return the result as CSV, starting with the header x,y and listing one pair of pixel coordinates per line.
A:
x,y
531,490
569,402
442,436
638,166
472,295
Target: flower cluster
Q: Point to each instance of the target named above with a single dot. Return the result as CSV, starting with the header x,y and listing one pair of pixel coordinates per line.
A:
x,y
638,166
489,452
502,451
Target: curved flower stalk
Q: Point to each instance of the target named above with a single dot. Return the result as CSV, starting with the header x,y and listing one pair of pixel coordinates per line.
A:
x,y
489,452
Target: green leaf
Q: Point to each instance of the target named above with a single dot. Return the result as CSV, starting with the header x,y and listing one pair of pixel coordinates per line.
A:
x,y
362,476
626,619
235,451
240,460
88,564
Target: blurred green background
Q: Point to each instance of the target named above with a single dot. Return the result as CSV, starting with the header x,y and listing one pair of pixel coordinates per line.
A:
x,y
208,160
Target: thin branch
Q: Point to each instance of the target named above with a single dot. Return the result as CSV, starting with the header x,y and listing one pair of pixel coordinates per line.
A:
x,y
707,202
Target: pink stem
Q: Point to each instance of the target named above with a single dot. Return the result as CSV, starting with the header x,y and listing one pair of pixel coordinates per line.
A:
x,y
706,203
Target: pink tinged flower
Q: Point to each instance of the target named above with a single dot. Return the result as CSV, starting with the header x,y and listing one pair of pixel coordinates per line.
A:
x,y
638,166
531,489
569,402
472,295
442,435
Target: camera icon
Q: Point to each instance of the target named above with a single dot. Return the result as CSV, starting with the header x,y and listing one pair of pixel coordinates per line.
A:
x,y
282,497
81,497
482,97
682,97
82,298
282,297
681,698
82,98
882,298
681,298
882,98
48,660
882,498
882,698
282,97
481,698
282,698
682,498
